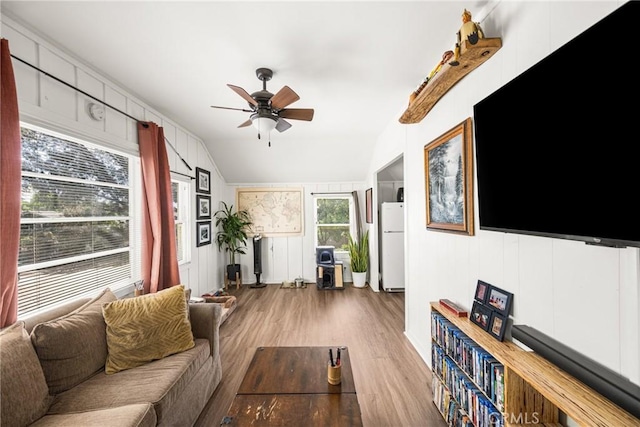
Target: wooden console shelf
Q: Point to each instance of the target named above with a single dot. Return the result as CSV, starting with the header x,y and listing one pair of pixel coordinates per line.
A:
x,y
471,56
533,384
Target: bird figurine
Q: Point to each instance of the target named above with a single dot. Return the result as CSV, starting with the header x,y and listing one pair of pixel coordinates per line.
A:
x,y
470,30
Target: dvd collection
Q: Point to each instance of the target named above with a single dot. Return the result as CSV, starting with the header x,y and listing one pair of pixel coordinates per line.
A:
x,y
474,379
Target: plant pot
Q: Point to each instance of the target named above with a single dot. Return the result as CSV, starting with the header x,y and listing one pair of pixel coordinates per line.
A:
x,y
232,269
359,279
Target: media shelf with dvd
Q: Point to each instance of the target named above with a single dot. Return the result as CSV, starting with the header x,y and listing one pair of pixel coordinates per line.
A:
x,y
519,386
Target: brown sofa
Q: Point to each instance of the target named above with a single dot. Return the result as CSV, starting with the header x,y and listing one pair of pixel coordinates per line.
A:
x,y
44,389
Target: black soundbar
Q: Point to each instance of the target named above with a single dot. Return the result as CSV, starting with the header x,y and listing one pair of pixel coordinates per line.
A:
x,y
603,380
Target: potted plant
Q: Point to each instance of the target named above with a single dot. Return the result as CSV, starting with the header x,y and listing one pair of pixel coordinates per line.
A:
x,y
232,235
359,254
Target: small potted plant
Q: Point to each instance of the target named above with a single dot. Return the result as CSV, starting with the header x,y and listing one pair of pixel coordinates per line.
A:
x,y
359,254
232,235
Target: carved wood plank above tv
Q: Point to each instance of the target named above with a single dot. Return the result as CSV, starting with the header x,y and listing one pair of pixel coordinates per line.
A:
x,y
471,57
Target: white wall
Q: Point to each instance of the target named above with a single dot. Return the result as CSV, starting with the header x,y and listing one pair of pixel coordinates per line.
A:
x,y
584,296
50,104
286,258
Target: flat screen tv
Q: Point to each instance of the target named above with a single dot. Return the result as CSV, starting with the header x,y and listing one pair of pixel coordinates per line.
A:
x,y
556,147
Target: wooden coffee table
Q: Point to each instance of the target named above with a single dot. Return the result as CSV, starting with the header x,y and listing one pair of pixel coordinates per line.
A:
x,y
287,386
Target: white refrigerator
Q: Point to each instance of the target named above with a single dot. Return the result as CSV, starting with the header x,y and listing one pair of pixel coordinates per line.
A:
x,y
392,246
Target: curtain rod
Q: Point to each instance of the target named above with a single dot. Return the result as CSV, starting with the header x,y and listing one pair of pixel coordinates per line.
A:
x,y
338,192
106,105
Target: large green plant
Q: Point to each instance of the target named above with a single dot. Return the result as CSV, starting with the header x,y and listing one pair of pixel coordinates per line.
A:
x,y
359,253
232,231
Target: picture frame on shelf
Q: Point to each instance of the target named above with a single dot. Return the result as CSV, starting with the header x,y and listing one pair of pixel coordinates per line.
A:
x,y
499,300
497,326
482,290
450,158
480,315
203,233
203,181
203,207
369,205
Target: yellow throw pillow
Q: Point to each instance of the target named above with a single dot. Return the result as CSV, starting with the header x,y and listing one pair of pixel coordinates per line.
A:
x,y
146,328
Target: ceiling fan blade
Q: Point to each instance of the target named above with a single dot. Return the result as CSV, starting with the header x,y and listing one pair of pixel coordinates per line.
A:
x,y
297,113
230,108
284,97
282,125
244,94
245,124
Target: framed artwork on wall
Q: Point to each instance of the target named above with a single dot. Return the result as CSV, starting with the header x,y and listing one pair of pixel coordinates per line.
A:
x,y
369,205
448,171
203,207
275,212
203,233
203,181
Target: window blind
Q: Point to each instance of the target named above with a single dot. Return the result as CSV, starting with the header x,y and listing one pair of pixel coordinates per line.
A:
x,y
75,220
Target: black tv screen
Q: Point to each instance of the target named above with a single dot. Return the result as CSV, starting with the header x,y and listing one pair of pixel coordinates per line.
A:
x,y
556,147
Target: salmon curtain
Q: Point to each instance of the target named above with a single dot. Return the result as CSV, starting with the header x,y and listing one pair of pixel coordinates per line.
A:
x,y
10,182
159,257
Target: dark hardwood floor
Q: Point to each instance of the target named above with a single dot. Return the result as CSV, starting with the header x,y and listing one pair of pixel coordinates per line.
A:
x,y
393,383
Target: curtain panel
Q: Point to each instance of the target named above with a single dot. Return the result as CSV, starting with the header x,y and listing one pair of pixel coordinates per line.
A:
x,y
159,258
10,187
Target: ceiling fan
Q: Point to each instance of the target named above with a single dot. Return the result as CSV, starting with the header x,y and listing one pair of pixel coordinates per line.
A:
x,y
268,111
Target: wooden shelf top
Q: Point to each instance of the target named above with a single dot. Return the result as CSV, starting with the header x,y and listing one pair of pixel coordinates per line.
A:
x,y
471,56
579,401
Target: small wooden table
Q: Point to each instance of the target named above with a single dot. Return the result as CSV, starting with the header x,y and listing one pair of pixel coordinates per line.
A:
x,y
287,386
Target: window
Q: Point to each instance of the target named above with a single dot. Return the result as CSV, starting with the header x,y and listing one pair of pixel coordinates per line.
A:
x,y
333,221
76,227
181,213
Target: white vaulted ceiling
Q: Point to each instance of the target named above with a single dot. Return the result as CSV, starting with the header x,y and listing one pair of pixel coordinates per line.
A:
x,y
355,63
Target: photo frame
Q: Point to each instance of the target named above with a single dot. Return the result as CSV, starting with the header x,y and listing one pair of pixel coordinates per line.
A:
x,y
369,205
497,325
203,233
448,171
203,207
203,181
499,300
482,290
480,315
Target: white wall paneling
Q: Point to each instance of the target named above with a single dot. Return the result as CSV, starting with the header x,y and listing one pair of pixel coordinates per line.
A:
x,y
48,103
566,289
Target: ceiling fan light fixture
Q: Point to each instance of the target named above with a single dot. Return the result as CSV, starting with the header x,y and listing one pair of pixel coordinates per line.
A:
x,y
264,125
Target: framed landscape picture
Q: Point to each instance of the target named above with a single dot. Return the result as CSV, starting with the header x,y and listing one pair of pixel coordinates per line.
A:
x,y
448,171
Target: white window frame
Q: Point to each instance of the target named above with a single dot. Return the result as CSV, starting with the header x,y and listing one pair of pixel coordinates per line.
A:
x,y
352,213
121,287
184,217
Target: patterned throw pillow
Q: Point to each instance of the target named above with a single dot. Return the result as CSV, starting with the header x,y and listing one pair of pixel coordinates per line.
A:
x,y
73,347
24,395
146,328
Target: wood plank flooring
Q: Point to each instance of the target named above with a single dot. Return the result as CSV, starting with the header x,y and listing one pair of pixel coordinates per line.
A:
x,y
392,381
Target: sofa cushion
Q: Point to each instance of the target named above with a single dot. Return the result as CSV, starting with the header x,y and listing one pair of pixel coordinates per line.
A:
x,y
73,347
140,415
161,382
24,395
146,328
